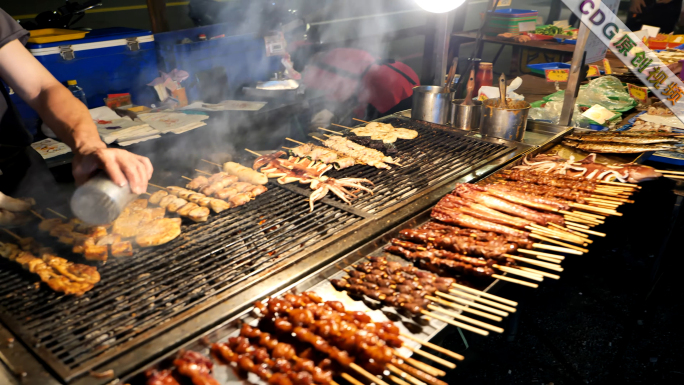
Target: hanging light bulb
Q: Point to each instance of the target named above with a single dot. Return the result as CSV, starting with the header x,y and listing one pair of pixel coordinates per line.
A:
x,y
439,6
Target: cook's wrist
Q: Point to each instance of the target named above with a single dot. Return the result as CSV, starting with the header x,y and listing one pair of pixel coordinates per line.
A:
x,y
87,146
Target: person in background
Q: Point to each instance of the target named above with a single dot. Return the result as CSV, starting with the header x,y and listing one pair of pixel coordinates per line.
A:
x,y
657,13
356,84
63,113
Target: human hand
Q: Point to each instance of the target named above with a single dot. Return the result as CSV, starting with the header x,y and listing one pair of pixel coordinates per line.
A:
x,y
637,6
123,167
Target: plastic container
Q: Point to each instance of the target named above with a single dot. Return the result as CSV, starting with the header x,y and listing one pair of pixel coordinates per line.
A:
x,y
514,12
51,35
541,68
106,61
77,91
565,41
218,67
483,77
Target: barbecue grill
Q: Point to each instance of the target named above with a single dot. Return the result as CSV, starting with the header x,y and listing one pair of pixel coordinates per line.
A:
x,y
149,304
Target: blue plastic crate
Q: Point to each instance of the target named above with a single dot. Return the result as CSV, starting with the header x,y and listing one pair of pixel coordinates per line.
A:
x,y
104,62
513,12
241,56
565,41
540,68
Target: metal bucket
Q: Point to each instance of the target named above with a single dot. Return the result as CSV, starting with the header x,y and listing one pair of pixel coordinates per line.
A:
x,y
506,123
431,104
465,117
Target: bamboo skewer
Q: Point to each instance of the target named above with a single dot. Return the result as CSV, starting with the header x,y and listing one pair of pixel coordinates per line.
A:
x,y
543,238
482,300
463,308
588,215
432,357
295,141
673,176
565,229
14,235
287,148
576,220
185,177
394,378
553,257
156,185
57,213
577,225
510,270
475,322
623,184
542,273
351,379
549,266
421,366
206,161
583,219
405,375
582,214
252,152
607,198
203,172
363,121
455,323
334,132
516,281
588,231
42,218
367,374
471,303
556,248
555,234
484,294
596,209
339,125
670,172
433,346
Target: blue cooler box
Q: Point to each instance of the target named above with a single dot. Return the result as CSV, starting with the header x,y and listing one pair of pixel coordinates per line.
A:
x,y
229,62
106,61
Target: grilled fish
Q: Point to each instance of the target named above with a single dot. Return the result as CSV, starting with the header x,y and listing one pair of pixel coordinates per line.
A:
x,y
626,133
618,138
617,148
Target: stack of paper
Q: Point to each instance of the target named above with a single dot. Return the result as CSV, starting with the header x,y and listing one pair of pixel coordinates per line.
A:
x,y
122,130
49,148
226,105
175,122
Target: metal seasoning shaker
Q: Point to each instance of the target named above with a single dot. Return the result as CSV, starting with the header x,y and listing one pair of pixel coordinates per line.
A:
x,y
99,200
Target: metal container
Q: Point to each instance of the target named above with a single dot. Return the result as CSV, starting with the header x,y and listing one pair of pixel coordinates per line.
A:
x,y
465,117
99,200
505,123
431,104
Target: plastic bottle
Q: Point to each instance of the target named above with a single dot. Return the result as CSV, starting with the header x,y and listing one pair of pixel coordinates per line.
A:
x,y
483,77
77,91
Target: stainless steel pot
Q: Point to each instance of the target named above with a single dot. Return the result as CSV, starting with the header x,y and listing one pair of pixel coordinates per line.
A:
x,y
100,201
465,117
506,123
431,104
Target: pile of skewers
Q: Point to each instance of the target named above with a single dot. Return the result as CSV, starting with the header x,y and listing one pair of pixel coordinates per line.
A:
x,y
309,171
588,168
58,273
302,340
623,142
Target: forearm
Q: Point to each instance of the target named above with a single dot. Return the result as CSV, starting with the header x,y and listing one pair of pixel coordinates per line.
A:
x,y
67,117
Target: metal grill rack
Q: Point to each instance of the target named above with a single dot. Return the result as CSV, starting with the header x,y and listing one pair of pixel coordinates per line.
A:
x,y
141,298
156,288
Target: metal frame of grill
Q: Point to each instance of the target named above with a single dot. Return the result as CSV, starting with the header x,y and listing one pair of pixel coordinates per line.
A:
x,y
211,243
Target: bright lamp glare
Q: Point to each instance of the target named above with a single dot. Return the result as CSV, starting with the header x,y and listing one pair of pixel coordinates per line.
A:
x,y
439,6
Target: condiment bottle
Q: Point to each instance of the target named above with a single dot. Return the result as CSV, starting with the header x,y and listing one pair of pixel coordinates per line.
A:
x,y
484,77
99,200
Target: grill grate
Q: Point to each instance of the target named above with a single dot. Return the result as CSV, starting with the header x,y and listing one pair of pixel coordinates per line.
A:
x,y
435,155
138,294
141,297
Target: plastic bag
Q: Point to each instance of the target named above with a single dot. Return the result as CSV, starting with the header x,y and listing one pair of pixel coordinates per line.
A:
x,y
606,91
551,111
